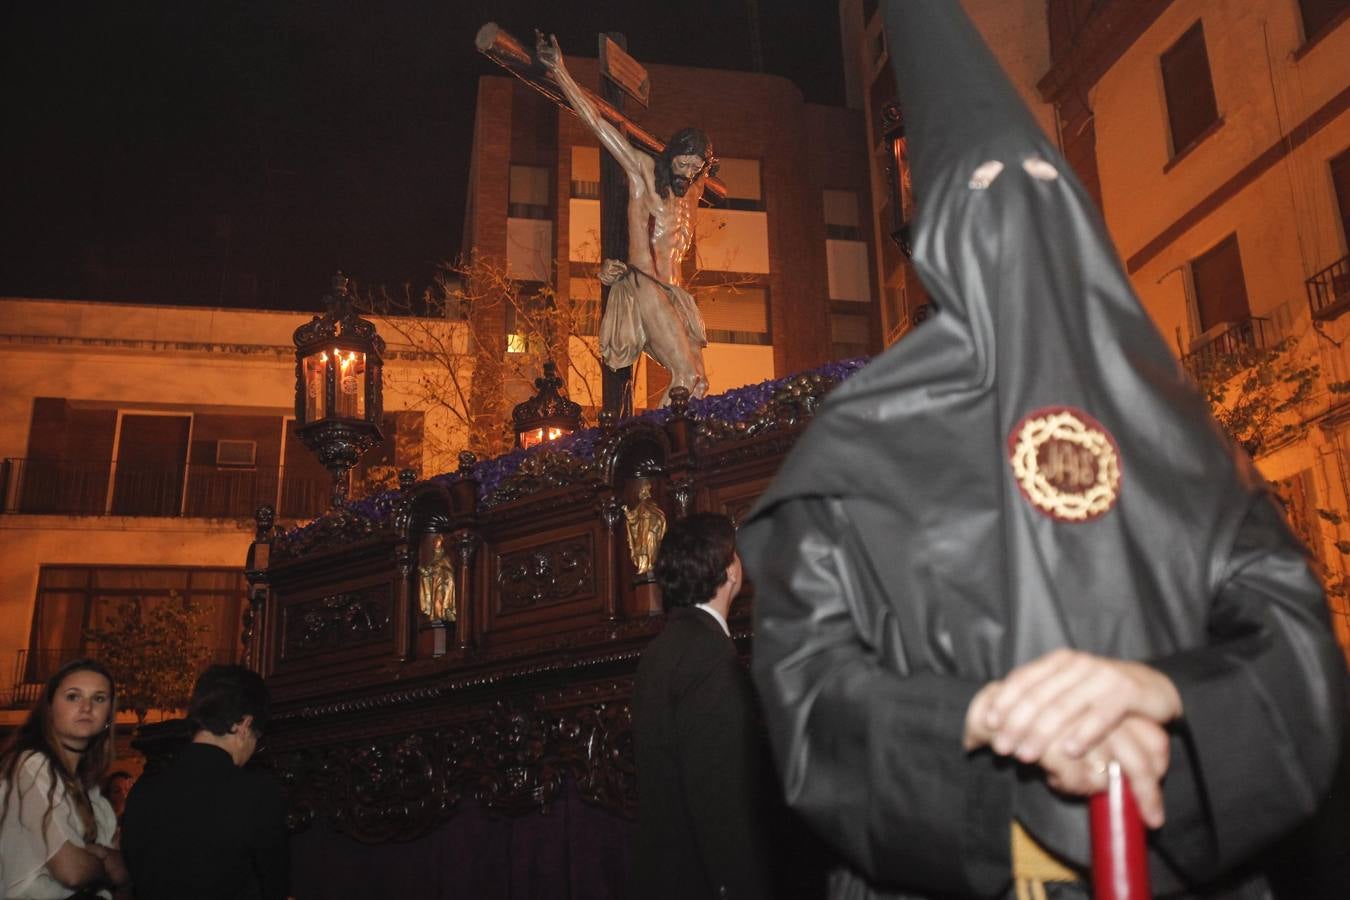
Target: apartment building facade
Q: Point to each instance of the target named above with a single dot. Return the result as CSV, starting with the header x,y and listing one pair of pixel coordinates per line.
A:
x,y
1221,134
139,441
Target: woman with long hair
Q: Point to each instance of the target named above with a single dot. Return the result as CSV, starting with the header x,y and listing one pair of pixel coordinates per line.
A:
x,y
57,832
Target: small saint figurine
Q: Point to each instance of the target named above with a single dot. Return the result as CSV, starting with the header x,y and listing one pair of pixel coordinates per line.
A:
x,y
646,526
438,585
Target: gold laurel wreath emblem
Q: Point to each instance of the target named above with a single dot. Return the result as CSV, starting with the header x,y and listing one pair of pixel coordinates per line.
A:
x,y
1078,438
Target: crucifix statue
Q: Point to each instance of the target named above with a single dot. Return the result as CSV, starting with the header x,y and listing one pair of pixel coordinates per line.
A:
x,y
647,309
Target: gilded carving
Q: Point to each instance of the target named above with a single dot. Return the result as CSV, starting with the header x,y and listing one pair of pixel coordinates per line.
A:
x,y
646,526
541,471
548,574
337,620
436,582
511,756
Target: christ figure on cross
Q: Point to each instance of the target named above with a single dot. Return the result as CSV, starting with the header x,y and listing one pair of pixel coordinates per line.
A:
x,y
647,308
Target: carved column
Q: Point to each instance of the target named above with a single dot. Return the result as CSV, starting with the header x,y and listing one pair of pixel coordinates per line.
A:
x,y
680,428
255,572
466,546
464,491
611,512
464,508
405,593
405,603
682,489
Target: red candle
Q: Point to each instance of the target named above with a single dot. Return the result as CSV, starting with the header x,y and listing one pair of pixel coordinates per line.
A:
x,y
1119,854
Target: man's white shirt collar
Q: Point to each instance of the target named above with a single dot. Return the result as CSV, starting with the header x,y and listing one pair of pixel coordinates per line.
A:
x,y
716,615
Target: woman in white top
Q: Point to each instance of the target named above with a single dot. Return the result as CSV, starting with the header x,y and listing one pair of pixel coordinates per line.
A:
x,y
57,832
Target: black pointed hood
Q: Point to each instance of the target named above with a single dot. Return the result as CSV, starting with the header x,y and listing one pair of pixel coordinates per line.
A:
x,y
1030,468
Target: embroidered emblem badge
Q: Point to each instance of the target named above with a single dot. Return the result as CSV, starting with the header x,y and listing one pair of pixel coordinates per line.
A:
x,y
1066,464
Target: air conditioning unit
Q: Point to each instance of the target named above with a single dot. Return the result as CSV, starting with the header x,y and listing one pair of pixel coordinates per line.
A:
x,y
236,453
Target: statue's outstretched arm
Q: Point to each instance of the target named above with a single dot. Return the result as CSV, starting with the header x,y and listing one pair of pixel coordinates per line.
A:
x,y
550,55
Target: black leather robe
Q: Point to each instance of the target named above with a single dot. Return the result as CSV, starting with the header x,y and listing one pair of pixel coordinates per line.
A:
x,y
901,559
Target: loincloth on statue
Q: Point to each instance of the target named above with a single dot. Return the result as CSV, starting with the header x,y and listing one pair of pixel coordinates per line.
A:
x,y
623,334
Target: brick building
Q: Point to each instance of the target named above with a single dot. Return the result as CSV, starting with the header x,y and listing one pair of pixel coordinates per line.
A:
x,y
1015,31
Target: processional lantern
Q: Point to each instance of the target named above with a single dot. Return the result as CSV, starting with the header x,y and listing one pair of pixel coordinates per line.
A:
x,y
339,394
898,174
548,415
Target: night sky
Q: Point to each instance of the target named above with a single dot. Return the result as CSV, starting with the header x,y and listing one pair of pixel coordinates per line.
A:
x,y
180,152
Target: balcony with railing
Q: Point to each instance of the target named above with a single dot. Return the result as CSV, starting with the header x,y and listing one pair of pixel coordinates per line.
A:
x,y
585,190
1329,290
73,487
1222,345
32,668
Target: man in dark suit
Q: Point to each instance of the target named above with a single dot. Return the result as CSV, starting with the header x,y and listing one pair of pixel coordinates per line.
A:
x,y
700,828
207,827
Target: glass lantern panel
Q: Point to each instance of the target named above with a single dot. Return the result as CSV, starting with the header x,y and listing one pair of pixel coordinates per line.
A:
x,y
541,435
316,394
351,386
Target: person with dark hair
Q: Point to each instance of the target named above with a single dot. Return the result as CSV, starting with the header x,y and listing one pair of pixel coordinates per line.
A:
x,y
647,309
700,830
207,827
57,832
116,786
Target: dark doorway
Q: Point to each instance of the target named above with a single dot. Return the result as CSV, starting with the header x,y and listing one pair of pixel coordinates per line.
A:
x,y
151,462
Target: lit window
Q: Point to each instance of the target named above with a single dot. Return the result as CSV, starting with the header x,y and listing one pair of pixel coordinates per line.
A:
x,y
526,320
732,240
735,315
586,173
741,177
584,296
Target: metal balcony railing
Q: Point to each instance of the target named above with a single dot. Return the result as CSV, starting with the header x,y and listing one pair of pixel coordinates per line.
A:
x,y
1238,338
585,190
1329,290
32,668
102,487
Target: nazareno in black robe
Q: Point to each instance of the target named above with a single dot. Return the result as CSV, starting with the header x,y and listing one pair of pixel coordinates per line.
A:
x,y
1030,469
